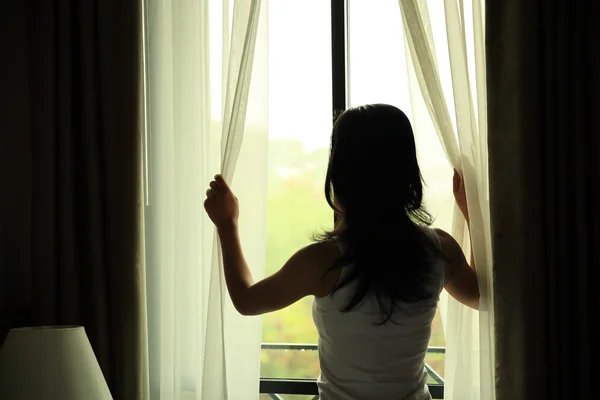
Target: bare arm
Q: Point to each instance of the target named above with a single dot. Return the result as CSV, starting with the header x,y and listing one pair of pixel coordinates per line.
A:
x,y
300,276
460,276
461,279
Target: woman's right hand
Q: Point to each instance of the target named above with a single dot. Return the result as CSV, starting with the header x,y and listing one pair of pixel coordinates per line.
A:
x,y
460,195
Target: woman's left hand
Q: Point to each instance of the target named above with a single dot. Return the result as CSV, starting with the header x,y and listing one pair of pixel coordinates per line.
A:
x,y
221,205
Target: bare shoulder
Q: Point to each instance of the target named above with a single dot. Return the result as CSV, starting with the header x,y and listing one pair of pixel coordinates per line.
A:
x,y
460,279
321,254
442,234
452,253
321,247
319,257
450,246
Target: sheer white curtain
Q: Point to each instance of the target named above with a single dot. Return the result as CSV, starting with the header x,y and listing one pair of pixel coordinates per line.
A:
x,y
205,90
449,69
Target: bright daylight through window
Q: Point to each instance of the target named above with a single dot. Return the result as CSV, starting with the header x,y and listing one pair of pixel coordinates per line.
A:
x,y
300,120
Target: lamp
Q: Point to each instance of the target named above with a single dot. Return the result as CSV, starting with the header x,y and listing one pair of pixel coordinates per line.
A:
x,y
50,363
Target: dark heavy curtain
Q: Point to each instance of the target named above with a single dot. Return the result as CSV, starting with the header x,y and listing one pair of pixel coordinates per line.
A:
x,y
70,203
544,146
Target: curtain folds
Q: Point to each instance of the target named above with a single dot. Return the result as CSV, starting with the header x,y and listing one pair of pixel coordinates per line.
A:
x,y
70,147
458,112
544,135
206,101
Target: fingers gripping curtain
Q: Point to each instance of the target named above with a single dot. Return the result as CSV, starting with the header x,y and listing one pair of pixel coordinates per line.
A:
x,y
205,92
469,364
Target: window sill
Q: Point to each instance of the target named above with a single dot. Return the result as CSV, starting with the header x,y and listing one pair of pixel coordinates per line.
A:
x,y
309,387
276,386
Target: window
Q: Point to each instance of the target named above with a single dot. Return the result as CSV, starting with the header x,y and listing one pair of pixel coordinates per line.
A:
x,y
341,60
300,119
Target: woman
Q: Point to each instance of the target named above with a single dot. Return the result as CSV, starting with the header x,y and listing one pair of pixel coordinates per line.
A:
x,y
376,277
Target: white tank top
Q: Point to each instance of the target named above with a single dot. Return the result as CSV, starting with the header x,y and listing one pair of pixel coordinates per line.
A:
x,y
363,361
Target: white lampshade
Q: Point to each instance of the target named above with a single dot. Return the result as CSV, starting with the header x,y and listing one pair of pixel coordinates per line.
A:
x,y
50,363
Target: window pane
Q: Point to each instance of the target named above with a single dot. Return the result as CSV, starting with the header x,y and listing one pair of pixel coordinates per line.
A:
x,y
300,119
297,364
379,73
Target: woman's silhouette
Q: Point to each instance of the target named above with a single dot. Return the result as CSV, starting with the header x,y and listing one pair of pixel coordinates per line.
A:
x,y
376,277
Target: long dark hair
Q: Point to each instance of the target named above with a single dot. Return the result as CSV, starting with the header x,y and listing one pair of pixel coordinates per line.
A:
x,y
375,188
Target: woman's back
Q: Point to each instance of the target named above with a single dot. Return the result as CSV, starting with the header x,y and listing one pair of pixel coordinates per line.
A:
x,y
361,359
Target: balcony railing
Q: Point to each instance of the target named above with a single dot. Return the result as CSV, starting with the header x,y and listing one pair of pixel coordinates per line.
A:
x,y
275,387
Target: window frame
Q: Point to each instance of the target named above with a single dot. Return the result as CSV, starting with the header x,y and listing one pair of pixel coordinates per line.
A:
x,y
340,100
276,386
